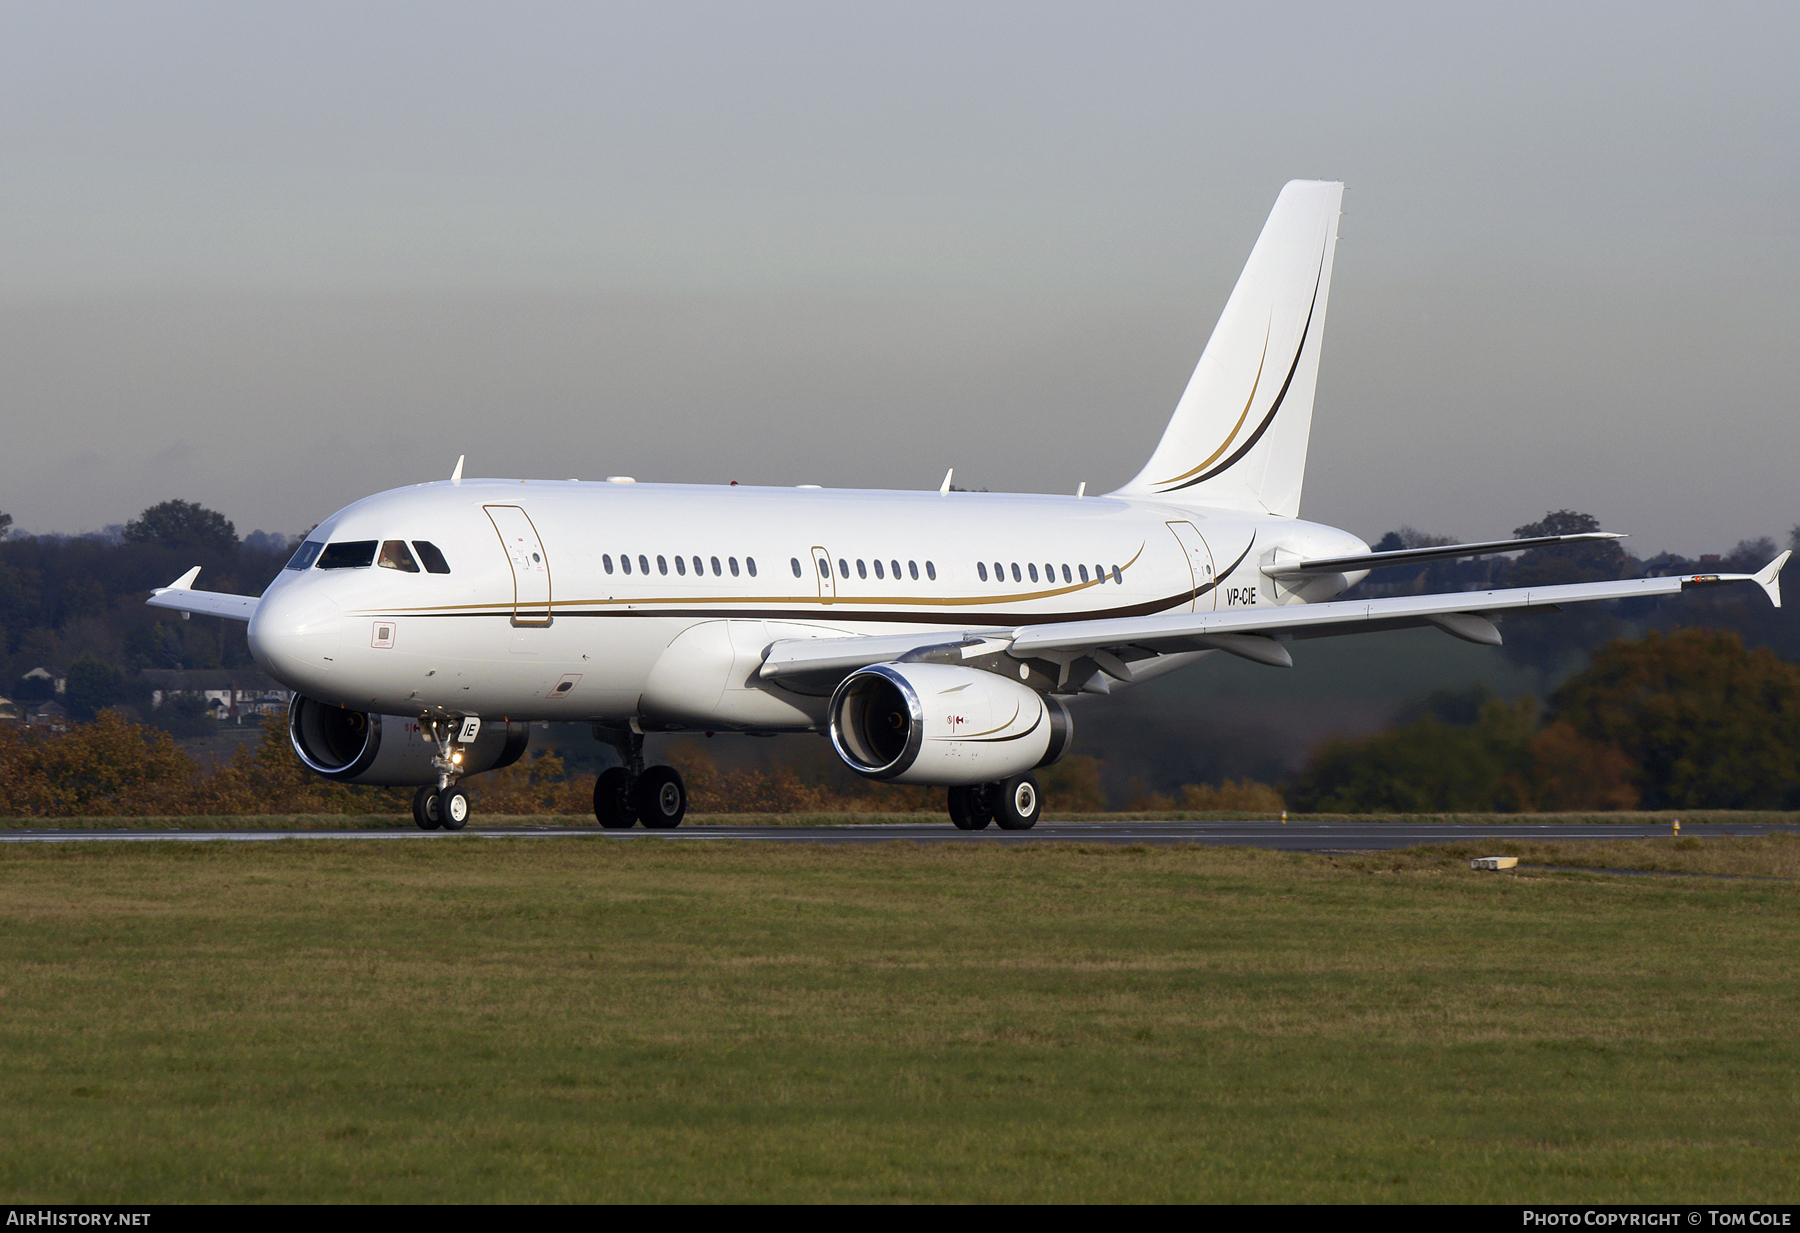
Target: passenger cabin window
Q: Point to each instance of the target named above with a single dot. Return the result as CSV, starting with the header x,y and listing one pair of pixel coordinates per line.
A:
x,y
680,566
931,571
430,557
732,561
862,571
795,562
606,560
981,569
878,572
305,555
394,555
913,566
750,564
644,565
717,571
350,554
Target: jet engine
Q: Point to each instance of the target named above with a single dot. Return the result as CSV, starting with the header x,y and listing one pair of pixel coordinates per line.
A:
x,y
389,750
944,724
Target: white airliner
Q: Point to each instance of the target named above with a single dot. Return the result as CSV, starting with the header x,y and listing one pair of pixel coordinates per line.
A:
x,y
938,637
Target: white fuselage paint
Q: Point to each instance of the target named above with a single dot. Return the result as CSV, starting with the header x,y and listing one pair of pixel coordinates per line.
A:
x,y
560,638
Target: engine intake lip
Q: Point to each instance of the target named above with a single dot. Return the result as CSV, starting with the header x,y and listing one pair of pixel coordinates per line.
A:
x,y
865,701
332,741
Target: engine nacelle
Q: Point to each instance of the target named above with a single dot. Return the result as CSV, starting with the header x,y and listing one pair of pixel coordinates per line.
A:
x,y
388,750
944,724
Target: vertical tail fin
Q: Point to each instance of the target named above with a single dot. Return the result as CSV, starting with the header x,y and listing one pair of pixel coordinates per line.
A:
x,y
1238,436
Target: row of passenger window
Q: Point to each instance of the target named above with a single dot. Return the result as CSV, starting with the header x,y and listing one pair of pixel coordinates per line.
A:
x,y
681,565
862,569
1031,570
361,553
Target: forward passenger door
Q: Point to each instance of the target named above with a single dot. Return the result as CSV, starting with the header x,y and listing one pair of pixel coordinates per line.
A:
x,y
530,564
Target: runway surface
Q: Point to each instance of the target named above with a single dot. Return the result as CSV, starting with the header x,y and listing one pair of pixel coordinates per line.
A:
x,y
1296,836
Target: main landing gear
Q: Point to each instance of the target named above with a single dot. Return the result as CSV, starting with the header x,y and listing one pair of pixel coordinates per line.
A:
x,y
1014,803
444,806
626,795
441,808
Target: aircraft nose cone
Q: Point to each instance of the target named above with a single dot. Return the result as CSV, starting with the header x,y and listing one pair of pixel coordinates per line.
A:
x,y
294,637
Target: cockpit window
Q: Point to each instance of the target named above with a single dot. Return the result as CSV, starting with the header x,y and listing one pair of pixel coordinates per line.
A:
x,y
305,555
394,555
433,559
350,554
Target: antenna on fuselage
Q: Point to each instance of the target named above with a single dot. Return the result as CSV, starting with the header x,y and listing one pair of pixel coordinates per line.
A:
x,y
456,475
945,486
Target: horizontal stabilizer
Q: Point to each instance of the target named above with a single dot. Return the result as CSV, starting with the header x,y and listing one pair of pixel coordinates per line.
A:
x,y
180,596
1420,556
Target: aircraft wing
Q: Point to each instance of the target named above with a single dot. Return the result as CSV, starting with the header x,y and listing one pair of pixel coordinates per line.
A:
x,y
181,596
1248,632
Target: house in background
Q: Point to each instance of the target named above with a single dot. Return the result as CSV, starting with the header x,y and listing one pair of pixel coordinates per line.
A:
x,y
230,694
55,678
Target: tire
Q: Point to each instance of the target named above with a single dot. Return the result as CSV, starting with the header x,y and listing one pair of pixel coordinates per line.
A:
x,y
425,811
1017,803
660,797
453,809
968,808
612,799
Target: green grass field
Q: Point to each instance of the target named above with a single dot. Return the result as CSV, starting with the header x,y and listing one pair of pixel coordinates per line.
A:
x,y
482,1020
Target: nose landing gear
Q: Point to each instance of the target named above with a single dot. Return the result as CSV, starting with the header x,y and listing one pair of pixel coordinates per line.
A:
x,y
445,806
625,795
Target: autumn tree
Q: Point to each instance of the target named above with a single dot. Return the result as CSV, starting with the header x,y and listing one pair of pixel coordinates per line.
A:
x,y
1705,722
184,525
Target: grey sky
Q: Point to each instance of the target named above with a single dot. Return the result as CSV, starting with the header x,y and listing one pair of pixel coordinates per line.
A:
x,y
275,258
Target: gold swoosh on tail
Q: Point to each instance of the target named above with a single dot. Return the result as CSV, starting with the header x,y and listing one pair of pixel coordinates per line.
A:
x,y
1237,427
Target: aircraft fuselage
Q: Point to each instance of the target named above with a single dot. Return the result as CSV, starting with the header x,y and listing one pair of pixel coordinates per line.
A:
x,y
616,602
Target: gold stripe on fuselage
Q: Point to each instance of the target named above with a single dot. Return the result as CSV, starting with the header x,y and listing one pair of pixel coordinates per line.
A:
x,y
823,601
